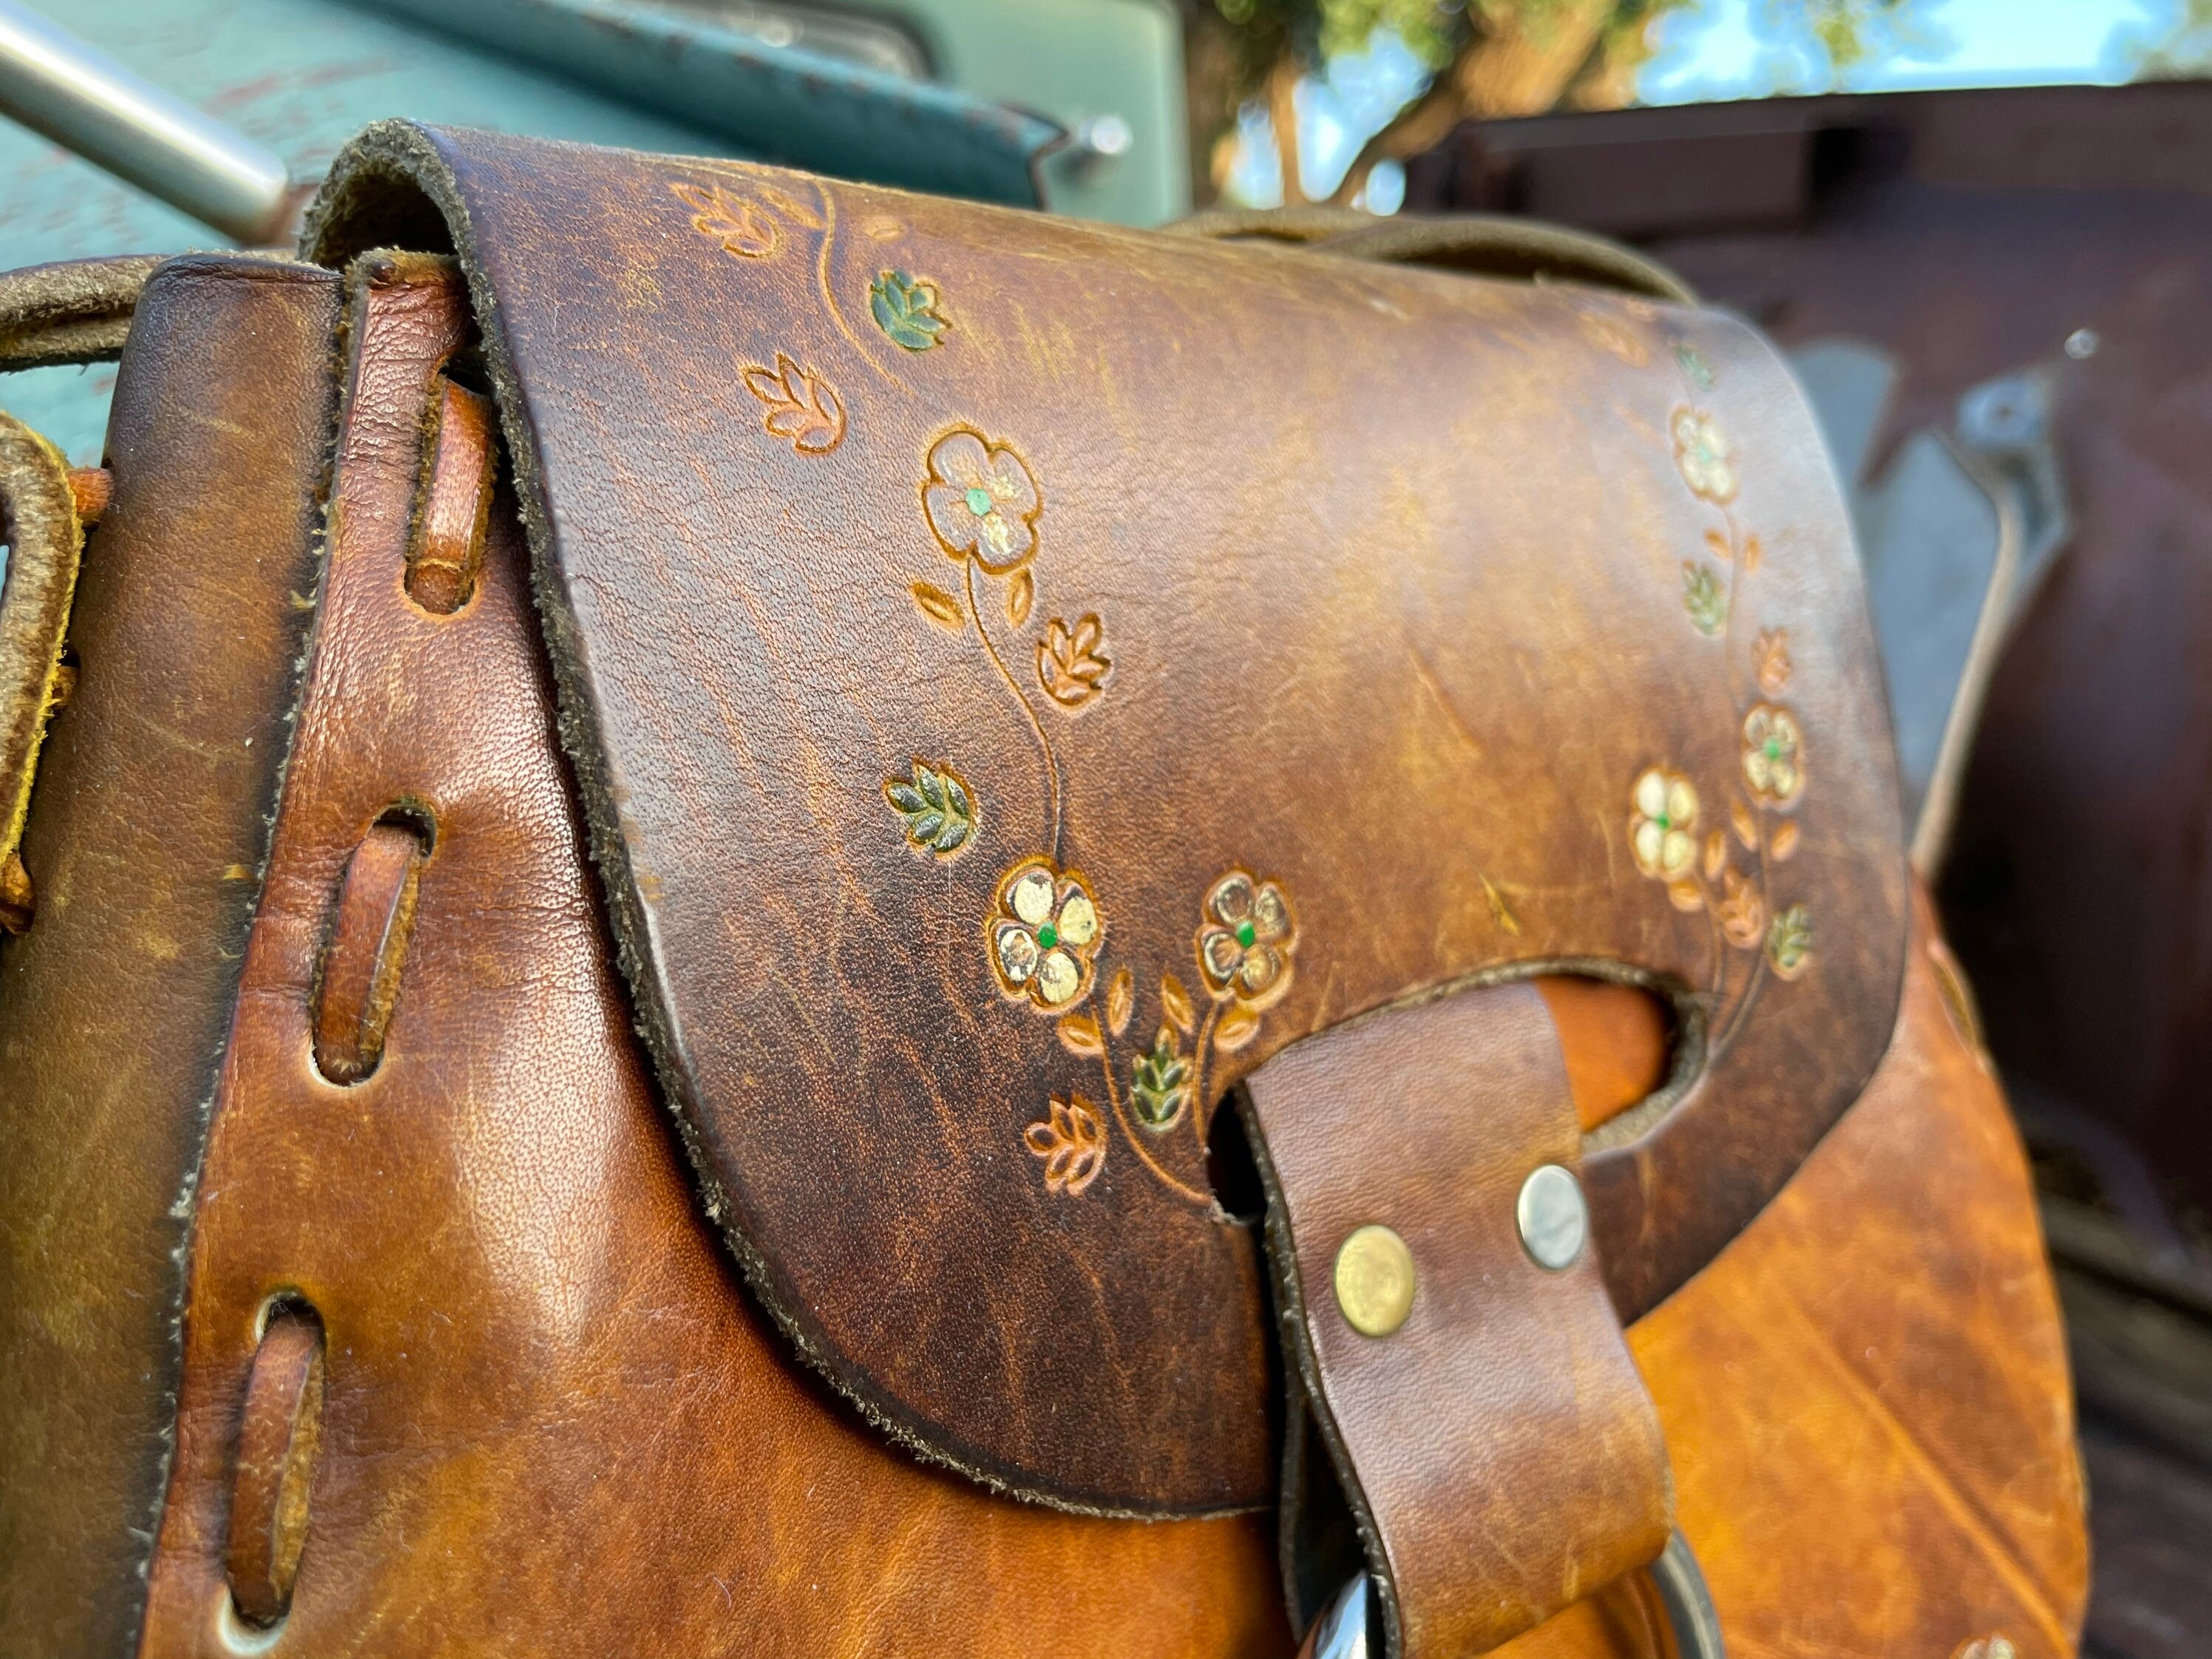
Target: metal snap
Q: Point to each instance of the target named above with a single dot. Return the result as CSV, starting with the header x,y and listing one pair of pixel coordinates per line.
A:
x,y
1373,1281
1553,1217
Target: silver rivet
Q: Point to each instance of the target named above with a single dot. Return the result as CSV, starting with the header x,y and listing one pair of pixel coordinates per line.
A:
x,y
1554,1219
2082,342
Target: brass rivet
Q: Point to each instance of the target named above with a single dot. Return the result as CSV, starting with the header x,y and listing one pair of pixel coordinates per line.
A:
x,y
1373,1281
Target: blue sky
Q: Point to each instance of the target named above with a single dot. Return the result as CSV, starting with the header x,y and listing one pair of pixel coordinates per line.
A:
x,y
1721,49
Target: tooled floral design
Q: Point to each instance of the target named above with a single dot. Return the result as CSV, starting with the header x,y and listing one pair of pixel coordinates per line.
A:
x,y
1773,755
1703,456
1246,939
741,226
1072,1142
981,502
1044,935
1071,668
802,406
1663,821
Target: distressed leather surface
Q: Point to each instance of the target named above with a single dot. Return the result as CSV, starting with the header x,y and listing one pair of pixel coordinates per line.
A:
x,y
554,1422
148,833
1500,1453
1372,610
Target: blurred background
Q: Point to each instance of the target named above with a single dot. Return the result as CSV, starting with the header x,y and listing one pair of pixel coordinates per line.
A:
x,y
1982,229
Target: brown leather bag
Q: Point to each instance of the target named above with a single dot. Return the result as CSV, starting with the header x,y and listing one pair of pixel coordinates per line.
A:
x,y
720,835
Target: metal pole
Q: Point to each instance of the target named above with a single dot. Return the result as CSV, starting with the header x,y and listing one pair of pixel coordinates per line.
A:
x,y
65,89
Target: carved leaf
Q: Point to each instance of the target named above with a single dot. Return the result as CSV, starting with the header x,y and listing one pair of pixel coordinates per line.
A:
x,y
905,309
1754,552
1715,853
1070,666
939,606
1789,941
1686,894
1237,1027
802,406
939,810
1704,598
1784,842
1770,659
1719,544
1741,913
1072,1143
1159,1082
1121,1000
1175,1001
743,231
1020,593
1746,826
1079,1035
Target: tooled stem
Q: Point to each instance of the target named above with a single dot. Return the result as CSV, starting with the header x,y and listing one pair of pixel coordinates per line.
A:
x,y
1201,1114
1130,1129
1045,744
1733,1025
830,293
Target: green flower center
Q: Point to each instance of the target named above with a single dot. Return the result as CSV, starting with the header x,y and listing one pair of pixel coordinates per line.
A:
x,y
1663,821
1047,936
1246,934
1774,749
979,500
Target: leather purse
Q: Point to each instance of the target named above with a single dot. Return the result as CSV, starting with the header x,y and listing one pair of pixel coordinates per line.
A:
x,y
771,918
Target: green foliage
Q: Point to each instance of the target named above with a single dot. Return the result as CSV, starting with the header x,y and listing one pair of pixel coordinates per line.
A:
x,y
1159,1082
1704,597
939,811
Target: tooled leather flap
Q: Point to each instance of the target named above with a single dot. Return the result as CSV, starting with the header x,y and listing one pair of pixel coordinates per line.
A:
x,y
1500,1453
1022,674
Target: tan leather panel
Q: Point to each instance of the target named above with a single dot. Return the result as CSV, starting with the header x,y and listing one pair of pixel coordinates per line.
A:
x,y
552,1423
1618,1041
147,834
1866,1398
1501,1454
1001,730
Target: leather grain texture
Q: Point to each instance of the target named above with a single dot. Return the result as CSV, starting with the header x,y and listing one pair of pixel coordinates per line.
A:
x,y
148,833
999,732
552,1422
1866,1397
1499,1451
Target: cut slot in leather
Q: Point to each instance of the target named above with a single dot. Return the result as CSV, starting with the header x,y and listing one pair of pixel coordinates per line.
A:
x,y
446,552
279,1431
367,947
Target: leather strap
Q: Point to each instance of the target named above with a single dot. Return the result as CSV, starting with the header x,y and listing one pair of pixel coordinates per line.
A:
x,y
1498,1452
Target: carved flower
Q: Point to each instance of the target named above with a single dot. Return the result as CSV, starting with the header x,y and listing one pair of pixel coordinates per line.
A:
x,y
1703,456
1660,825
1773,758
1244,944
981,502
1044,935
1072,1143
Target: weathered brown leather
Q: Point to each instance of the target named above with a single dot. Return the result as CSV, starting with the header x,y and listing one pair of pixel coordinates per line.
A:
x,y
552,1423
1499,1452
1349,635
148,833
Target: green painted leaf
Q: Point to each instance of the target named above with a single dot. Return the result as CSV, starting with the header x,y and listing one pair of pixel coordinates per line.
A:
x,y
1159,1083
1789,940
905,309
1704,597
1694,368
938,812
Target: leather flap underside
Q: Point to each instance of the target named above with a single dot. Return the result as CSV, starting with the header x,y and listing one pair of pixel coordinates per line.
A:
x,y
1022,674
